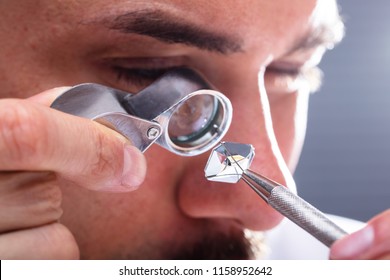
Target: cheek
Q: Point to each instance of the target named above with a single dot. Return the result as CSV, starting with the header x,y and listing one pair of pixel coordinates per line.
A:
x,y
289,118
128,221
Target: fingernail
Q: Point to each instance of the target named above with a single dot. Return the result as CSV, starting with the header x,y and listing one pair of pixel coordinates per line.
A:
x,y
134,167
352,246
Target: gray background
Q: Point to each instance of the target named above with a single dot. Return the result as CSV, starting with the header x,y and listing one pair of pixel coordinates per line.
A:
x,y
345,164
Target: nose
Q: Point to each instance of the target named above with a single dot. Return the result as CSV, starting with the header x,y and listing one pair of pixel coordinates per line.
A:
x,y
252,124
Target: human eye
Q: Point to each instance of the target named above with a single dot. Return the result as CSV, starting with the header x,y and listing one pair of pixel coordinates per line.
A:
x,y
134,74
290,77
138,77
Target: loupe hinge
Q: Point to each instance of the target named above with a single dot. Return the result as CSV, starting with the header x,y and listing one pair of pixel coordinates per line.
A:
x,y
142,133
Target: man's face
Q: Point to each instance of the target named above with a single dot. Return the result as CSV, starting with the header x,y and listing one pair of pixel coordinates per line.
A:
x,y
255,52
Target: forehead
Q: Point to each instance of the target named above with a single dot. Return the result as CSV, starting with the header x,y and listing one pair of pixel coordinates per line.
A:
x,y
261,26
259,21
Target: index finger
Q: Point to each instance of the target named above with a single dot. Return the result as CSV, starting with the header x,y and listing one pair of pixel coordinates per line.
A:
x,y
35,137
47,97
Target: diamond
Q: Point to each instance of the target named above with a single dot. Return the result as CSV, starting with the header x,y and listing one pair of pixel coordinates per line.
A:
x,y
228,161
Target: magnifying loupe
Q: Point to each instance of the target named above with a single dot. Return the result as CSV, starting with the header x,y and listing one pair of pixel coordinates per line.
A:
x,y
178,111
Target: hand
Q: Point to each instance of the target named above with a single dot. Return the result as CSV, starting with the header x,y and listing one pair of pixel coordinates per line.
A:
x,y
371,242
41,147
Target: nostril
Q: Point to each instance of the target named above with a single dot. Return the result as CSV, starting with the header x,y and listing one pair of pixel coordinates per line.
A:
x,y
202,198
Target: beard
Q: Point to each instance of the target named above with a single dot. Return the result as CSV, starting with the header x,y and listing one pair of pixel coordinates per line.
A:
x,y
214,241
232,245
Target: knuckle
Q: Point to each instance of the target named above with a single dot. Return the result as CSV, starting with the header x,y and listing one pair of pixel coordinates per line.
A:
x,y
29,199
107,157
23,131
48,197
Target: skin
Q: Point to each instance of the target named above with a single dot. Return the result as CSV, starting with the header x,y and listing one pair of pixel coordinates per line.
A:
x,y
72,188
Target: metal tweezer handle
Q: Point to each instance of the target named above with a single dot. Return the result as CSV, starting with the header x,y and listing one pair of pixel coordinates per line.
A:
x,y
294,208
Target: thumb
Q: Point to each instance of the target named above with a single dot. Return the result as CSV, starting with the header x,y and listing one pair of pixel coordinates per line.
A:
x,y
133,161
48,96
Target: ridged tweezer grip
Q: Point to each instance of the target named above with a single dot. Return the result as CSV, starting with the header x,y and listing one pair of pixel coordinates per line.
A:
x,y
305,215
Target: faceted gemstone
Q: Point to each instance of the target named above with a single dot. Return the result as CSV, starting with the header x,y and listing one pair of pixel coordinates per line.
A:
x,y
228,161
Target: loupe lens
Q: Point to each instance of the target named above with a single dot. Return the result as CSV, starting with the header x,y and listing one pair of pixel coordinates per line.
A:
x,y
195,123
193,119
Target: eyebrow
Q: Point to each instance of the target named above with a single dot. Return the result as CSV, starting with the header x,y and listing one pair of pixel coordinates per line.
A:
x,y
327,34
172,30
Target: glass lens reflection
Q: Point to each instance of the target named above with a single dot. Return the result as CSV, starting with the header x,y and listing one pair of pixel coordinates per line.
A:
x,y
193,118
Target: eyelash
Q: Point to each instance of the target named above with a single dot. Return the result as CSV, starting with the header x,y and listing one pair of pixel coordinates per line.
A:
x,y
291,72
311,76
139,76
142,77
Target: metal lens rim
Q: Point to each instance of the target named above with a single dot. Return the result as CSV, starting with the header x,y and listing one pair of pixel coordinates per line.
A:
x,y
222,118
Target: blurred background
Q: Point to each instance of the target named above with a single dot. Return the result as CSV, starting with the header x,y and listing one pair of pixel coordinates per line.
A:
x,y
345,164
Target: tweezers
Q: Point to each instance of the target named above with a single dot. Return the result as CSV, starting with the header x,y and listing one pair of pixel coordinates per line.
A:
x,y
289,204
